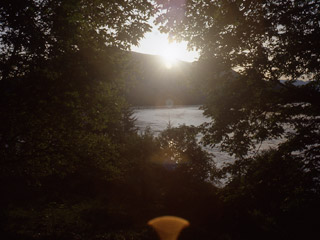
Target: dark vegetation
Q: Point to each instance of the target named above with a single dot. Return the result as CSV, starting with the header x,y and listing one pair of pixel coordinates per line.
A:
x,y
72,163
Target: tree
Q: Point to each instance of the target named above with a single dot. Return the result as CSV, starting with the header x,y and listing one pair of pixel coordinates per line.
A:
x,y
172,174
253,55
270,44
59,69
36,30
182,152
275,198
64,119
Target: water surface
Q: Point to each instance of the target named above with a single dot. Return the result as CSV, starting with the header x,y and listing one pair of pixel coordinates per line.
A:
x,y
158,118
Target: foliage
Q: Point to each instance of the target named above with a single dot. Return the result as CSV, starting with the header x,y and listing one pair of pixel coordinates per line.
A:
x,y
181,149
72,165
253,54
265,41
33,30
61,137
170,175
270,196
64,119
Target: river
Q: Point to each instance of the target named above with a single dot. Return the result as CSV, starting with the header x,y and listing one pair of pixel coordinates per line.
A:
x,y
158,118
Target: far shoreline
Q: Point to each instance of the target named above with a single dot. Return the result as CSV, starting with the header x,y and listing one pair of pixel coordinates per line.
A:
x,y
165,106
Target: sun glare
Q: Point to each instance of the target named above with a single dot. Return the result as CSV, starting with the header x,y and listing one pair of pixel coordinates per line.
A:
x,y
169,56
157,43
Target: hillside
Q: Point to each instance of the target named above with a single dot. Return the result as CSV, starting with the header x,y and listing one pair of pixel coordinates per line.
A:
x,y
153,84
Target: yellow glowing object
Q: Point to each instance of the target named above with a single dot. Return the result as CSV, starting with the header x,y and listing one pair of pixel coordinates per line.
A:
x,y
168,227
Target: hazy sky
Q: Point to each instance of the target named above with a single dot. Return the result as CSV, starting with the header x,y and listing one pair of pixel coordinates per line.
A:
x,y
157,43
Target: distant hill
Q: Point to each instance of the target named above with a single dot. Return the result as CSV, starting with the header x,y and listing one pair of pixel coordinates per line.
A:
x,y
297,82
153,84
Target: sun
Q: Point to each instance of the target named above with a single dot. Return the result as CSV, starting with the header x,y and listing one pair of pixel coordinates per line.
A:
x,y
172,52
169,56
169,61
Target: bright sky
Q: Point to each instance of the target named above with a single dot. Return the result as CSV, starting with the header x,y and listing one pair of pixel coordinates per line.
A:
x,y
157,43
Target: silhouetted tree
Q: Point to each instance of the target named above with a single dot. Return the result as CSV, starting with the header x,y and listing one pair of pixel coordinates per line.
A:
x,y
172,175
37,30
266,41
64,119
270,44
